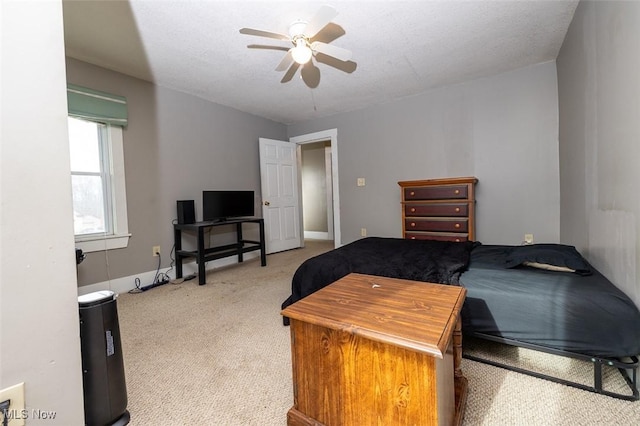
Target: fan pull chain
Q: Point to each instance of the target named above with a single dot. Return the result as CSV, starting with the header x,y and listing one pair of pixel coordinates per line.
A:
x,y
313,99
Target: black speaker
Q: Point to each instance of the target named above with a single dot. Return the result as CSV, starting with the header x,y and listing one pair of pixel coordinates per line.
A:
x,y
186,212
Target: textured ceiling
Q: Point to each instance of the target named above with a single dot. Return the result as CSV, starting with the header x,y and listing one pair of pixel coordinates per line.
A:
x,y
401,47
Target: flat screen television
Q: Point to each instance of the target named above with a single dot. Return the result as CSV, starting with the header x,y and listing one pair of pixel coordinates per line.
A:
x,y
222,205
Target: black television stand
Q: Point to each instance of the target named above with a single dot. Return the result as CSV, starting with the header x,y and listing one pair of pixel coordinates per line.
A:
x,y
203,255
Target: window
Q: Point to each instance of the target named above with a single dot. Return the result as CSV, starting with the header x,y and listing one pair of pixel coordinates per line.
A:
x,y
97,181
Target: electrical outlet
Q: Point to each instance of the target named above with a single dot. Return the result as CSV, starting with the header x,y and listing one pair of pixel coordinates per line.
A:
x,y
528,238
360,182
363,232
17,412
156,251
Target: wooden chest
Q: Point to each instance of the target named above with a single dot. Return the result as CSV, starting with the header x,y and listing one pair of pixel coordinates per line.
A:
x,y
439,209
370,350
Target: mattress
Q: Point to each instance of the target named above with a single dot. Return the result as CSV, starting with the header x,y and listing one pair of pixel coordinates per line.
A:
x,y
560,310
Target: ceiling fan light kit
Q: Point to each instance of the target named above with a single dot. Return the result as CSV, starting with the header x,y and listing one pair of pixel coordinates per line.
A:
x,y
302,52
308,39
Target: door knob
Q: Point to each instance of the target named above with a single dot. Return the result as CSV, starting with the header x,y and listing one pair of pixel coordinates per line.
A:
x,y
266,203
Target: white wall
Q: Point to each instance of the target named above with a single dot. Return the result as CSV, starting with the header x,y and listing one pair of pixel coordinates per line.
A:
x,y
599,97
39,325
502,129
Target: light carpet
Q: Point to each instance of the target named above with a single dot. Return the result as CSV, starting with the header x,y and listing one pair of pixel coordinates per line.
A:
x,y
218,354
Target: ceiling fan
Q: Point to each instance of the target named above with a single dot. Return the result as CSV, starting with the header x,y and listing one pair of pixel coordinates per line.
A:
x,y
309,39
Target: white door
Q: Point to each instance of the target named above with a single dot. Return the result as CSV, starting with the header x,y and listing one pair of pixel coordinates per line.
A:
x,y
280,202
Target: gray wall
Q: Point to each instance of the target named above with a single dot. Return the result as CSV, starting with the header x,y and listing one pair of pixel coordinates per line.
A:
x,y
598,75
39,326
502,129
175,146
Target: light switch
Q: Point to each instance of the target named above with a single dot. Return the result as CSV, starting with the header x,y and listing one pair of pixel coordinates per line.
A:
x,y
360,182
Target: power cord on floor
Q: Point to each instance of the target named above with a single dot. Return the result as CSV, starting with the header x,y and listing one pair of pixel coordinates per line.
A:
x,y
173,260
137,289
159,279
160,276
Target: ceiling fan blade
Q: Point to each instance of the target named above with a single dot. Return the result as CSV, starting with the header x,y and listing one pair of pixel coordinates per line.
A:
x,y
345,66
310,75
328,49
329,33
285,62
290,73
323,16
260,33
267,47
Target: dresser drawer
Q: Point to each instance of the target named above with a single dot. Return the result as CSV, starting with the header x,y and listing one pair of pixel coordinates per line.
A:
x,y
458,238
438,225
450,192
444,210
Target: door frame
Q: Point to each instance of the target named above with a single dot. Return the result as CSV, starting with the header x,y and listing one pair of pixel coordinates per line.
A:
x,y
331,135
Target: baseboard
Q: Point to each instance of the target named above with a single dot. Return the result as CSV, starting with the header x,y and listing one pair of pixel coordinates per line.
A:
x,y
124,284
314,235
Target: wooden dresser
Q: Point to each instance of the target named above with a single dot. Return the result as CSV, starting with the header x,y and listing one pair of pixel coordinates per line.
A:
x,y
356,362
439,209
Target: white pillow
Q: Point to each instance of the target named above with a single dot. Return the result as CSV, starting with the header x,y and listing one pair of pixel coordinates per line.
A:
x,y
548,267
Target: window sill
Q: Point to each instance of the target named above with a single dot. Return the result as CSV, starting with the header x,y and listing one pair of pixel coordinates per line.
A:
x,y
102,242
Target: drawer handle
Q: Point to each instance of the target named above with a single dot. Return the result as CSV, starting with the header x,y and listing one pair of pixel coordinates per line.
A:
x,y
457,191
457,240
413,209
412,193
457,225
412,238
413,224
457,209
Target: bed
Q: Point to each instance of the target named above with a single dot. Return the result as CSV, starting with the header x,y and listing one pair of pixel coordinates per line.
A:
x,y
419,260
545,297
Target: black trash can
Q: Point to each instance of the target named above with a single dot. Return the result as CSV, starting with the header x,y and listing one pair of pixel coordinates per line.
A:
x,y
104,386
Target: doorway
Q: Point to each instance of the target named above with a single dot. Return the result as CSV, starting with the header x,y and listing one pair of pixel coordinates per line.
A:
x,y
317,192
329,142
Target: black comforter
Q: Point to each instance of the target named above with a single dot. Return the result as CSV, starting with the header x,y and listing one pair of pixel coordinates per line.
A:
x,y
418,260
